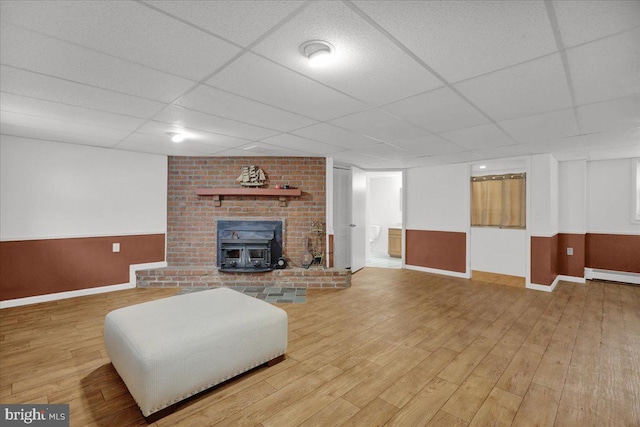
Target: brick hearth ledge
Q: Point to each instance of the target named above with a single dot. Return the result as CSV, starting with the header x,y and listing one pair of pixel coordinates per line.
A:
x,y
171,277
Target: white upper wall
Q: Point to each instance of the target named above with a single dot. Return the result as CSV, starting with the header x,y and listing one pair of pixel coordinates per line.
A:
x,y
56,190
438,198
553,195
572,197
609,197
543,184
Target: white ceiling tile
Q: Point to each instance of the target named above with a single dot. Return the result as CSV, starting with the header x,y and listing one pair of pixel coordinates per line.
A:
x,y
49,134
503,152
264,81
417,162
35,85
438,111
542,127
333,135
262,149
127,30
379,125
34,52
301,144
239,21
613,138
156,142
385,165
360,50
158,149
476,137
530,88
223,104
160,130
386,151
462,157
356,158
462,39
427,145
64,126
622,113
569,143
584,21
232,152
53,110
53,88
606,69
614,152
179,116
567,156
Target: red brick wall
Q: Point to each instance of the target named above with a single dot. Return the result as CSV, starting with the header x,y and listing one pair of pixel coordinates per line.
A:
x,y
191,219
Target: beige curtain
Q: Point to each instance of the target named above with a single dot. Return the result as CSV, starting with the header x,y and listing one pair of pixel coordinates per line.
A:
x,y
498,200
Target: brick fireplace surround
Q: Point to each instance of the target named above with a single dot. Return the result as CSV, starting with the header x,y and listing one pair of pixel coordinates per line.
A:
x,y
191,221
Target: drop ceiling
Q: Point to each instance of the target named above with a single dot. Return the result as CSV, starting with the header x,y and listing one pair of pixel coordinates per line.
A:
x,y
411,83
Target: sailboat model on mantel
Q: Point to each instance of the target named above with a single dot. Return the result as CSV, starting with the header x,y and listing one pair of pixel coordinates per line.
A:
x,y
252,176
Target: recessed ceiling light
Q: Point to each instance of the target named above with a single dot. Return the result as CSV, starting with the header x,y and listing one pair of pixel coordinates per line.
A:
x,y
318,51
482,167
176,137
251,147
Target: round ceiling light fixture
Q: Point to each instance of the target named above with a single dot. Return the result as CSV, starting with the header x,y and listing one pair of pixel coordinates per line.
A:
x,y
176,137
319,52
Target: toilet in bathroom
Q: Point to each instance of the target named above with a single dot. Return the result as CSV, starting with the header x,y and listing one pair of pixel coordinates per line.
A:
x,y
374,233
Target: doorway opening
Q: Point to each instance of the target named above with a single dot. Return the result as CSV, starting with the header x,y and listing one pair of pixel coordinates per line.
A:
x,y
384,219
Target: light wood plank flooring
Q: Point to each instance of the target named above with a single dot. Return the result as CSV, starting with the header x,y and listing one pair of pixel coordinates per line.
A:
x,y
399,348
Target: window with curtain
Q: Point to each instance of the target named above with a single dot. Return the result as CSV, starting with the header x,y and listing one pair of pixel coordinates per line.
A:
x,y
499,200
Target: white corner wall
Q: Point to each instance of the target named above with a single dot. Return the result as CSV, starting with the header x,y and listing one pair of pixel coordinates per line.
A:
x,y
543,177
572,197
609,197
56,190
438,198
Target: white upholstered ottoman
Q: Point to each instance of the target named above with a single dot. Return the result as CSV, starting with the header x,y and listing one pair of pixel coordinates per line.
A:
x,y
169,349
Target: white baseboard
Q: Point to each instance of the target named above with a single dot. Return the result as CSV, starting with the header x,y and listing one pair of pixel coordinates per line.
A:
x,y
543,288
573,279
616,276
558,279
438,271
63,295
82,292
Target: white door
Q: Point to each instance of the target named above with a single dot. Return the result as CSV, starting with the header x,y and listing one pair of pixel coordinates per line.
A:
x,y
341,218
358,218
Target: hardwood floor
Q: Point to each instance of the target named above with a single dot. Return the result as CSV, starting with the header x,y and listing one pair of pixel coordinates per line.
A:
x,y
399,348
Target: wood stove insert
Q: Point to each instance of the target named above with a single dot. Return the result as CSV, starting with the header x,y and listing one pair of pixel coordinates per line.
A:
x,y
248,246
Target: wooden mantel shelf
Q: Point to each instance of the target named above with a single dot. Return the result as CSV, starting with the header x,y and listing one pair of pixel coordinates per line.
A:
x,y
280,193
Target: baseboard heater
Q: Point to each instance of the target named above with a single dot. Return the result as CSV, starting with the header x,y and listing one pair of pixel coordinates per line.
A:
x,y
615,276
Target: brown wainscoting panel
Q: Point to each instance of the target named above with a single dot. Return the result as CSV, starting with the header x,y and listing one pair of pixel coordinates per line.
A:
x,y
571,265
39,267
544,259
330,250
617,252
443,250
